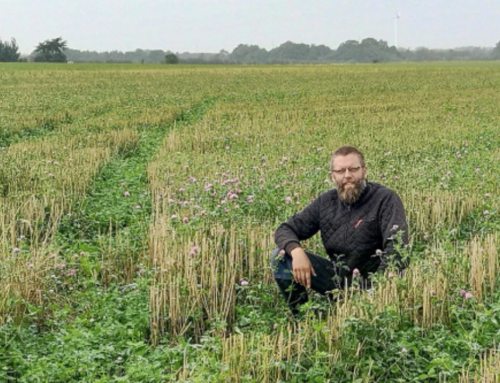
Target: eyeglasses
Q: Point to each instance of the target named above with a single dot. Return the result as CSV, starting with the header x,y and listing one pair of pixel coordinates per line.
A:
x,y
344,171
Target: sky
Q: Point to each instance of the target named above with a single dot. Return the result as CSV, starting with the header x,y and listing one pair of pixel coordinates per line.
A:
x,y
212,25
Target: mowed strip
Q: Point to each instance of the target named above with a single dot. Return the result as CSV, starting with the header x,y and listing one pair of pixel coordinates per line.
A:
x,y
111,222
94,116
40,181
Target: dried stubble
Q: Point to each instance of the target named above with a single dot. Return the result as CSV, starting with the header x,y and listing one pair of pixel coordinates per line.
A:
x,y
41,181
488,371
483,269
268,137
415,134
195,277
72,122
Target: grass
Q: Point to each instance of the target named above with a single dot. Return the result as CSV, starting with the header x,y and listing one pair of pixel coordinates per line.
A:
x,y
146,285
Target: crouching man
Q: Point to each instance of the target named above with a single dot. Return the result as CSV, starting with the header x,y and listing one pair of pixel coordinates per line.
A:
x,y
360,224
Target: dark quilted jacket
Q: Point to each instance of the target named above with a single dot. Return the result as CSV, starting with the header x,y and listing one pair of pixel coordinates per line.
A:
x,y
351,234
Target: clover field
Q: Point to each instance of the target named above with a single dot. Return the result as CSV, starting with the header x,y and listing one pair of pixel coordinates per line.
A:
x,y
138,205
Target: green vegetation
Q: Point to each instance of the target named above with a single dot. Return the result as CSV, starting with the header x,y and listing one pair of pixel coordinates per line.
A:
x,y
171,58
138,205
9,51
51,51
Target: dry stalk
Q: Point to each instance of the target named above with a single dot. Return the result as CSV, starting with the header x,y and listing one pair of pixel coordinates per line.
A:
x,y
488,372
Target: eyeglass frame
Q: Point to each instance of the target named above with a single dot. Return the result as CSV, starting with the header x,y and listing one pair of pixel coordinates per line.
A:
x,y
342,172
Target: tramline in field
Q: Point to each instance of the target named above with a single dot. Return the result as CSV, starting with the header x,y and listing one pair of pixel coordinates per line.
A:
x,y
138,206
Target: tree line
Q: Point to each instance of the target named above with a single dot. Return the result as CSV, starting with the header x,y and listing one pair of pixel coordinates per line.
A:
x,y
46,51
368,50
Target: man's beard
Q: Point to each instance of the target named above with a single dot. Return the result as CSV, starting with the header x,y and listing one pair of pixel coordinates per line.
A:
x,y
351,195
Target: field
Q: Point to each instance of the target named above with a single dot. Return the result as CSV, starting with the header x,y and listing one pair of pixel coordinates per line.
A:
x,y
138,205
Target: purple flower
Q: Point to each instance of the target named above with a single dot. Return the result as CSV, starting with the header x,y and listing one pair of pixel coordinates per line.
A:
x,y
126,193
355,272
288,200
468,296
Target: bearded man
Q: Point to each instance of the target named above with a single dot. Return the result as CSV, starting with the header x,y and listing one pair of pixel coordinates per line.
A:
x,y
362,225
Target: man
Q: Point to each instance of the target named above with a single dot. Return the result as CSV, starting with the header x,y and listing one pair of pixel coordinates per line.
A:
x,y
360,224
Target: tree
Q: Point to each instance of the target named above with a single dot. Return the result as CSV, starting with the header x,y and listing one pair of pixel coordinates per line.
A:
x,y
171,58
369,50
289,52
496,51
51,51
348,51
320,53
249,54
9,52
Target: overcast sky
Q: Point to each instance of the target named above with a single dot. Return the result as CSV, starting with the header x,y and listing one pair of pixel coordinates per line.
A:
x,y
212,25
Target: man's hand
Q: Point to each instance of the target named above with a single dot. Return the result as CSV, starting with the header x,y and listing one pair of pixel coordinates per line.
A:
x,y
302,268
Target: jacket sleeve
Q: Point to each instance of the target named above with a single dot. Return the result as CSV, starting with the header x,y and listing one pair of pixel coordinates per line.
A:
x,y
300,227
394,228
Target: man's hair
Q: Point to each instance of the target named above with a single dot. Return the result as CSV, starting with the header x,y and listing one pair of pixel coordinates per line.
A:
x,y
345,151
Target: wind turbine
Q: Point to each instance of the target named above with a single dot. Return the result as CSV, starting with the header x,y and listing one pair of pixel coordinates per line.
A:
x,y
396,18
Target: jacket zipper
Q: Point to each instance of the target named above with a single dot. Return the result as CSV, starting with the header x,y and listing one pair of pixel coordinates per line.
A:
x,y
347,225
